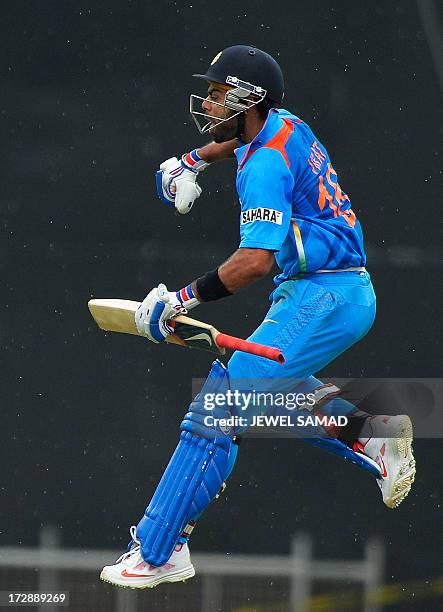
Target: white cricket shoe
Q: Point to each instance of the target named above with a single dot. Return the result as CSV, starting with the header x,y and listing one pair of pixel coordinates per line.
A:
x,y
131,570
389,444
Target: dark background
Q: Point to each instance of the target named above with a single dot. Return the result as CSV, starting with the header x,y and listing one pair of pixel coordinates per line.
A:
x,y
93,96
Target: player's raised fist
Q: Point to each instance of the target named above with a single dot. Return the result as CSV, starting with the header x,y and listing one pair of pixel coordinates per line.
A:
x,y
177,181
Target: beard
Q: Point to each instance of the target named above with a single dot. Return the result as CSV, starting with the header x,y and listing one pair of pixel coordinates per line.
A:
x,y
224,131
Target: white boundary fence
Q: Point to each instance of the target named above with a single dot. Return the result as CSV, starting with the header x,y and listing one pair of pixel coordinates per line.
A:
x,y
300,568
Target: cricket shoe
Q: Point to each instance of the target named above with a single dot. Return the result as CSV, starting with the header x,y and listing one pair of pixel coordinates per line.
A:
x,y
389,444
132,571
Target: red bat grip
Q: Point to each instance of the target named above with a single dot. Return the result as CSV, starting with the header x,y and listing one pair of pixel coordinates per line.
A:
x,y
237,344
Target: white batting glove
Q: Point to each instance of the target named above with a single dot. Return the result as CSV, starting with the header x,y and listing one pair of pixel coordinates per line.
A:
x,y
153,314
177,181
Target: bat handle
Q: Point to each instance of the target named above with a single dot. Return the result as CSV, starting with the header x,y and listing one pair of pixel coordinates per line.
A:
x,y
237,344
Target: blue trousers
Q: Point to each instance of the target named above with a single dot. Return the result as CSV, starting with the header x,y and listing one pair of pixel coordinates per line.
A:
x,y
312,321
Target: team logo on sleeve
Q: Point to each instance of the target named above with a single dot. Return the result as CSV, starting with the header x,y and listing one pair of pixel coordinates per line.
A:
x,y
261,214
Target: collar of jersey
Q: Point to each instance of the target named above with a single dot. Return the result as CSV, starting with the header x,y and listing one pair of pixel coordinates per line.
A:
x,y
270,127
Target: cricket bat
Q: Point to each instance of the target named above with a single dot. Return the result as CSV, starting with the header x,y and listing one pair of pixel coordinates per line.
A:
x,y
118,316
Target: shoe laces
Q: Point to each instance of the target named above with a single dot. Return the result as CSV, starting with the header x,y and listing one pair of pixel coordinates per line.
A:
x,y
131,555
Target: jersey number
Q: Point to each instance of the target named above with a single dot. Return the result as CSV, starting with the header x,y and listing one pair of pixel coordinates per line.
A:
x,y
332,193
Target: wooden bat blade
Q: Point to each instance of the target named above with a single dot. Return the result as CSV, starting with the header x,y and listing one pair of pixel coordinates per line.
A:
x,y
116,315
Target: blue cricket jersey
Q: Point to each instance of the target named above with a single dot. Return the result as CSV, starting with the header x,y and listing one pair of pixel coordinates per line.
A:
x,y
291,202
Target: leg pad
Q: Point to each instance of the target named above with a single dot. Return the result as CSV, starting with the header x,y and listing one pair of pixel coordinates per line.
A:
x,y
195,474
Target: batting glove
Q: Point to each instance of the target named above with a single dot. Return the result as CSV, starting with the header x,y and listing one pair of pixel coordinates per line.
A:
x,y
153,314
177,181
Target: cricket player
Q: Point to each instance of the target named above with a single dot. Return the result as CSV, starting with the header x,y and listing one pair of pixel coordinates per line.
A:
x,y
293,212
